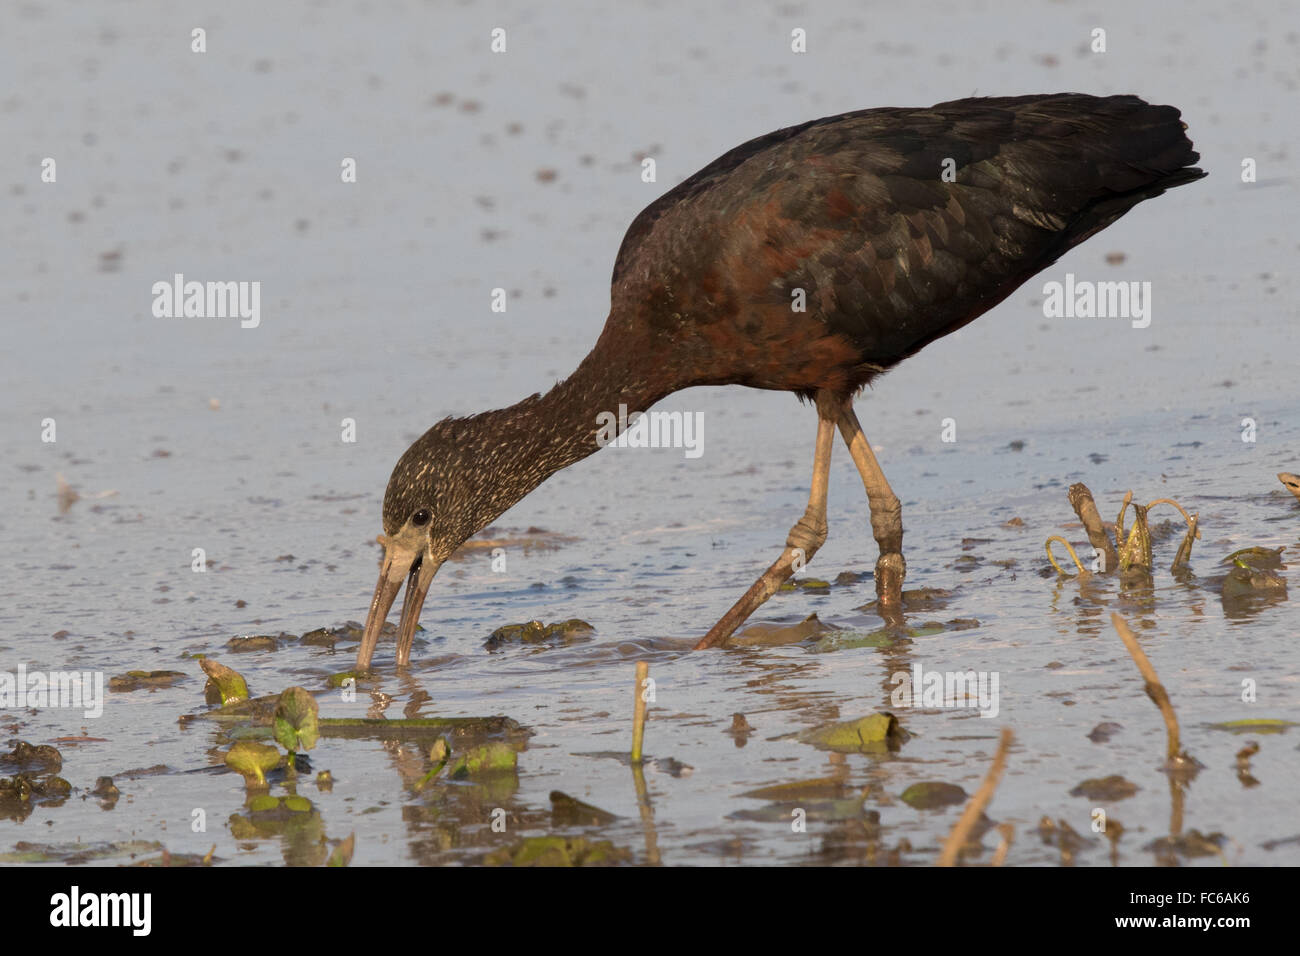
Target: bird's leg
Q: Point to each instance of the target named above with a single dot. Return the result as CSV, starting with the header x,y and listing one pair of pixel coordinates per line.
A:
x,y
886,518
805,538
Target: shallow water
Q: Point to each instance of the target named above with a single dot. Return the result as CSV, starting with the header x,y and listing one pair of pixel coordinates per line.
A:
x,y
375,308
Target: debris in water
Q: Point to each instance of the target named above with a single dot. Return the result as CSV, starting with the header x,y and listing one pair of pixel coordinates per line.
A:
x,y
535,632
342,854
1176,758
251,644
1104,731
558,851
566,811
1290,481
1113,787
974,811
141,680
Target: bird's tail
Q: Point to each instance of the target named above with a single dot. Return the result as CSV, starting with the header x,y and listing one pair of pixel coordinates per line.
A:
x,y
1129,151
1122,151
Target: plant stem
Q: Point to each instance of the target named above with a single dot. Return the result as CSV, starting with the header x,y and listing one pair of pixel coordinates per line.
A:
x,y
957,838
638,714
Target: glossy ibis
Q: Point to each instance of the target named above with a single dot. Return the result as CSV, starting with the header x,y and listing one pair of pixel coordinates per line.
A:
x,y
895,227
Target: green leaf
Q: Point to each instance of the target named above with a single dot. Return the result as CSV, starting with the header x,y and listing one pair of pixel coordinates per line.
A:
x,y
225,686
297,718
874,733
1258,558
438,753
252,759
341,679
822,788
489,758
933,794
1255,725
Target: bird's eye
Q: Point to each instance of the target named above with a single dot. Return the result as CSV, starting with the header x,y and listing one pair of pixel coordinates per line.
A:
x,y
421,518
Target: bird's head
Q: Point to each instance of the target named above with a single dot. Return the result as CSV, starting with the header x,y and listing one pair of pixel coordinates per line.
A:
x,y
429,511
459,477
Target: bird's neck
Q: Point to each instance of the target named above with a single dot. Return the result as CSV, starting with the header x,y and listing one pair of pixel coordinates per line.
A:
x,y
531,440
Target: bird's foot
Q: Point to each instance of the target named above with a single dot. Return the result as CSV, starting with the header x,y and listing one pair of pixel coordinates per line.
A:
x,y
890,571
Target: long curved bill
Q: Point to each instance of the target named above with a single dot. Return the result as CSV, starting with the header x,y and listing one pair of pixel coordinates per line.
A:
x,y
418,570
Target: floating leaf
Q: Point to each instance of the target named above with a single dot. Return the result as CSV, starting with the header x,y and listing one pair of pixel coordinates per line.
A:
x,y
827,811
919,599
252,644
342,678
322,637
1193,843
822,788
39,759
225,686
871,734
296,720
1113,787
932,794
1258,558
1255,725
411,727
1104,731
142,680
252,759
810,585
535,632
492,757
763,634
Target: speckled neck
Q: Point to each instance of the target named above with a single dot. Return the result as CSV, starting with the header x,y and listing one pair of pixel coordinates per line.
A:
x,y
523,445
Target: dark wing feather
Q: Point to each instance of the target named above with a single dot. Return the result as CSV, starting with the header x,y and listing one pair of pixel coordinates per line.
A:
x,y
853,210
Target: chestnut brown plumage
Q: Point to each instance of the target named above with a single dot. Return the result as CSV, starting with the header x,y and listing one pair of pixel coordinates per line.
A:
x,y
896,226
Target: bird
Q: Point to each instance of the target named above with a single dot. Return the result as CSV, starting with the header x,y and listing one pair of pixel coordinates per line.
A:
x,y
810,260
